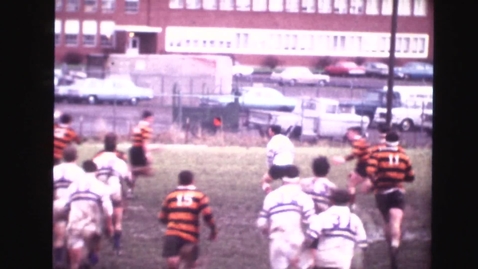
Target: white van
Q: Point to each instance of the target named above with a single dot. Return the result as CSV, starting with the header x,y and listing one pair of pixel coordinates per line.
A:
x,y
414,101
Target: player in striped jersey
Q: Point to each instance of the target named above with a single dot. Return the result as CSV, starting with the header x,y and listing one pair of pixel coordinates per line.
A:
x,y
63,175
361,152
90,207
319,187
284,211
334,234
112,170
181,211
389,168
63,135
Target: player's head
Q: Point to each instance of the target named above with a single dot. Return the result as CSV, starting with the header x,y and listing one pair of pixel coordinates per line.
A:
x,y
320,166
185,178
340,197
89,166
352,132
291,175
70,154
110,141
383,129
274,129
392,139
65,119
147,116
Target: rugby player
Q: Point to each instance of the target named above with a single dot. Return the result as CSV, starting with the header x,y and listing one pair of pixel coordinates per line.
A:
x,y
112,170
140,152
319,187
63,135
361,152
280,154
89,206
334,234
63,175
181,210
109,137
284,211
388,169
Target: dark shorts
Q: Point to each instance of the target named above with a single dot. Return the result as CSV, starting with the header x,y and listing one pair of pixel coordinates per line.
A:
x,y
277,171
361,169
385,202
173,244
137,156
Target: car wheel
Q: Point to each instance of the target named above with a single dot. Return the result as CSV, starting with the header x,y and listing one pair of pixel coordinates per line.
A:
x,y
292,82
133,101
92,100
406,125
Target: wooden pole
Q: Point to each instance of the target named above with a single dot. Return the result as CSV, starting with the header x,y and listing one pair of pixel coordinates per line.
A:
x,y
391,72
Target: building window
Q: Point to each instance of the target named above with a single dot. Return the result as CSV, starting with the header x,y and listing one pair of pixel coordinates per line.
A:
x,y
193,4
325,6
340,6
243,5
107,34
292,5
108,6
276,5
226,5
72,5
419,8
421,45
373,7
356,7
89,29
308,6
57,32
176,4
131,6
406,45
259,5
387,7
72,30
58,5
404,8
90,6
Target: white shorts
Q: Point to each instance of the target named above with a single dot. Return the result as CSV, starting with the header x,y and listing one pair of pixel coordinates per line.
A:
x,y
333,259
81,238
60,212
281,251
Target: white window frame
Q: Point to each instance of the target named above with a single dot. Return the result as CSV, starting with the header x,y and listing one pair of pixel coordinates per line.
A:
x,y
89,29
372,7
107,32
387,7
193,4
108,6
324,6
72,5
58,28
130,9
276,6
356,7
404,8
72,28
259,5
224,5
90,7
292,6
419,8
340,6
58,5
243,5
308,6
176,4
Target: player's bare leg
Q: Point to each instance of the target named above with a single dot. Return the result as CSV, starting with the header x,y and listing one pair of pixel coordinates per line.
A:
x,y
396,216
59,248
136,172
173,262
354,180
186,256
75,255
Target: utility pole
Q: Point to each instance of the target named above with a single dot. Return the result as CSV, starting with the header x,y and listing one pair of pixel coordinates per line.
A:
x,y
391,64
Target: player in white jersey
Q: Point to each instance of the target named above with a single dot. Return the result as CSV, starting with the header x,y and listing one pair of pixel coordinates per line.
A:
x,y
63,175
334,234
319,187
90,208
280,155
284,212
112,170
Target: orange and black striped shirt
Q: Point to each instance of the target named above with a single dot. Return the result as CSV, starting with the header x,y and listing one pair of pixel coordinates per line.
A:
x,y
377,147
119,154
181,210
63,136
141,134
360,151
389,168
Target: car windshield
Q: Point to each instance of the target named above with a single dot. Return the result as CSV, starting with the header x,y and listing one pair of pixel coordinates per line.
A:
x,y
347,64
372,96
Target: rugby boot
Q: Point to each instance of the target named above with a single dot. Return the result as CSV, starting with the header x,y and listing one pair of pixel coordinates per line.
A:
x,y
93,258
393,257
117,242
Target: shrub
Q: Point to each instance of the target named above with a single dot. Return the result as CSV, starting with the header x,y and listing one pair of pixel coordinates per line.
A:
x,y
271,62
323,62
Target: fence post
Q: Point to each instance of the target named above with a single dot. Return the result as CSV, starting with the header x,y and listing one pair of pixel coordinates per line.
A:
x,y
81,126
186,137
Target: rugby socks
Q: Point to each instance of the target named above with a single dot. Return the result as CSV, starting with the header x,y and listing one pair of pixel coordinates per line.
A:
x,y
117,240
93,258
58,254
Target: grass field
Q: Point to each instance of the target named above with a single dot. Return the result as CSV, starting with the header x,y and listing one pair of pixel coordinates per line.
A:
x,y
230,176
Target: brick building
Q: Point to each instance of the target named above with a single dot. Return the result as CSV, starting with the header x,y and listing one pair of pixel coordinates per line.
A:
x,y
296,32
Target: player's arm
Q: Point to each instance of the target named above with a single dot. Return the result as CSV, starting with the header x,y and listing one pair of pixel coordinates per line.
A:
x,y
409,173
208,216
313,232
163,214
308,209
263,221
371,168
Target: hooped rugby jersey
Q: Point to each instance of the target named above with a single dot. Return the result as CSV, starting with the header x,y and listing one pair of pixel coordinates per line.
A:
x,y
63,135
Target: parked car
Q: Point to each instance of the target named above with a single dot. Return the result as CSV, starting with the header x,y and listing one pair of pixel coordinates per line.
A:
x,y
95,90
299,75
408,117
241,70
376,69
312,118
344,68
427,122
253,98
415,70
